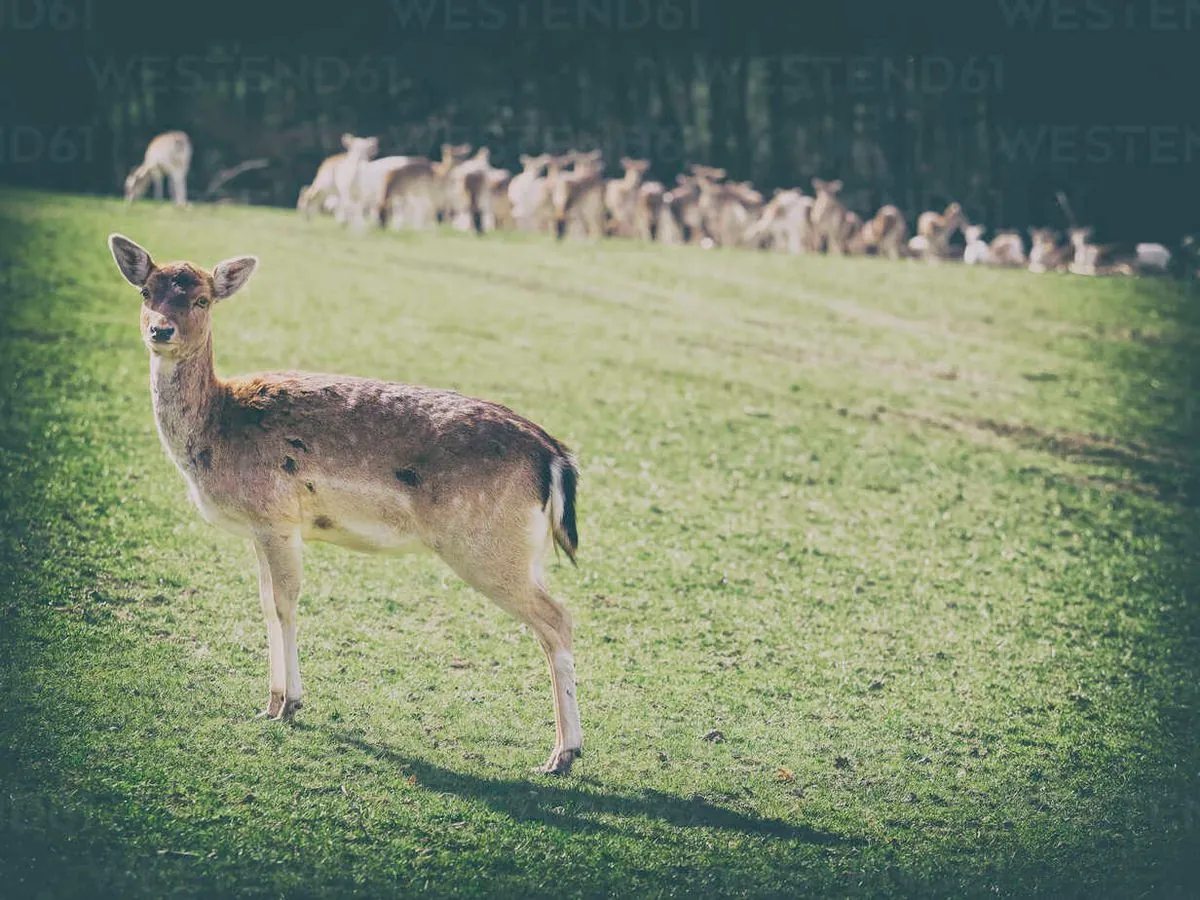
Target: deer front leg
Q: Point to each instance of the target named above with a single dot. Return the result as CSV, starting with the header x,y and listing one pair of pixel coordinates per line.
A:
x,y
158,185
179,188
280,564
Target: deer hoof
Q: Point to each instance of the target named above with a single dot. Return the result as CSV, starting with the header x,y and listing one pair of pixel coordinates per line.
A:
x,y
560,761
274,706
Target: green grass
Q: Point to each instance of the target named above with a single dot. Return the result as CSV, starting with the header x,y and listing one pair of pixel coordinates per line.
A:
x,y
922,543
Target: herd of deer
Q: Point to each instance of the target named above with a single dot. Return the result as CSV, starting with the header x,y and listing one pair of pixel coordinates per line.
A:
x,y
568,194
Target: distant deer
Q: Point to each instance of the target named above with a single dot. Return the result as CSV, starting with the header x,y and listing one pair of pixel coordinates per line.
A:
x,y
647,210
375,466
828,217
885,234
937,229
169,155
469,193
977,251
620,196
409,195
1045,254
529,193
343,177
577,196
498,181
784,223
1007,249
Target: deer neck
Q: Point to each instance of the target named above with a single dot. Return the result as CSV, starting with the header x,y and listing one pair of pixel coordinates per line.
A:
x,y
183,392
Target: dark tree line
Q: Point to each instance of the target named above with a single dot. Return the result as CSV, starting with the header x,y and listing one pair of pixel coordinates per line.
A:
x,y
997,106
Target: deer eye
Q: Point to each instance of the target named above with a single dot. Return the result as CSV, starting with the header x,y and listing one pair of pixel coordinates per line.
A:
x,y
145,293
202,302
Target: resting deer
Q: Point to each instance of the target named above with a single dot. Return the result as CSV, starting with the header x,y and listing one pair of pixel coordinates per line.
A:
x,y
1007,249
977,252
375,466
168,155
1045,255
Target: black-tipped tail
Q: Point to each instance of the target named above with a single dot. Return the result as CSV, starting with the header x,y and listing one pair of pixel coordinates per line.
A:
x,y
562,476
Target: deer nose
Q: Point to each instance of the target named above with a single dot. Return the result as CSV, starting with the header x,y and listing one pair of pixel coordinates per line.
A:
x,y
161,333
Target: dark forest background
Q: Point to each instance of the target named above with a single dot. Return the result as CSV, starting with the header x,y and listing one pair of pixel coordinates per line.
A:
x,y
995,103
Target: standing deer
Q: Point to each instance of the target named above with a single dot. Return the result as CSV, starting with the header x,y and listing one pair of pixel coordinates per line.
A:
x,y
937,229
828,217
169,155
375,466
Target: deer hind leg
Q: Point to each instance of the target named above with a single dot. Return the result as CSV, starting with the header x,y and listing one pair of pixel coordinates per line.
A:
x,y
506,568
280,565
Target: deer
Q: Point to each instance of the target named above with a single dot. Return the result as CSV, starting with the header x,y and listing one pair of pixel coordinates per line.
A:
x,y
937,229
284,458
885,234
321,192
1045,255
977,252
577,196
469,193
498,181
1007,249
783,222
621,195
828,217
453,155
409,195
168,155
681,221
529,193
647,210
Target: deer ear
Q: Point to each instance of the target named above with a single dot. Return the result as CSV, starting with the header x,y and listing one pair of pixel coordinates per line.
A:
x,y
230,275
835,186
133,260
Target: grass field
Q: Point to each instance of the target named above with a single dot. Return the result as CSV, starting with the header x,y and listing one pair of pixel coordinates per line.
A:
x,y
922,544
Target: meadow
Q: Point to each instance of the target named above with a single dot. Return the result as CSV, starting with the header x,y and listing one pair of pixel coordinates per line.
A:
x,y
888,580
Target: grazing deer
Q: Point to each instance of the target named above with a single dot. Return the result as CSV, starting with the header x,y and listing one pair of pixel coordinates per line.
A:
x,y
529,193
937,229
577,196
284,458
828,217
620,196
321,193
977,251
409,195
1007,249
1045,255
169,155
885,234
647,210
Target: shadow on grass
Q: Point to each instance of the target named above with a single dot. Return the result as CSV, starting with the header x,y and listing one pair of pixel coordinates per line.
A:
x,y
513,798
